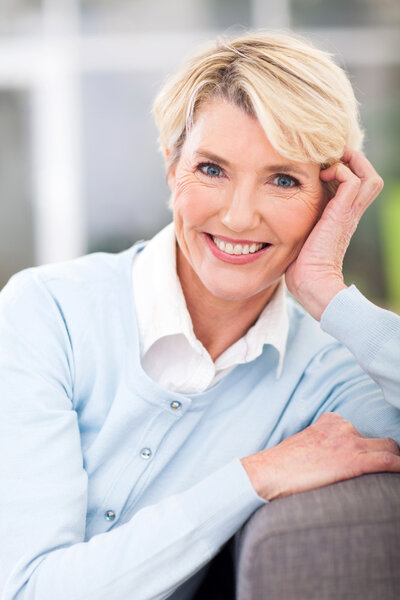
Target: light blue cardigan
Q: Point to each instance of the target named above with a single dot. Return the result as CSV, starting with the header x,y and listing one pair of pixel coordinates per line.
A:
x,y
114,488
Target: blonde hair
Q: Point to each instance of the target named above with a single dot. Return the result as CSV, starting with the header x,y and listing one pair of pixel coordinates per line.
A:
x,y
303,100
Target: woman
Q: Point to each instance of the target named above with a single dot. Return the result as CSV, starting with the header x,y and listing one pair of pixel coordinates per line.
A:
x,y
141,430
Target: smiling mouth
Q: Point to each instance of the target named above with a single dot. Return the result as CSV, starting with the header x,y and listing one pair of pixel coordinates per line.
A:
x,y
235,248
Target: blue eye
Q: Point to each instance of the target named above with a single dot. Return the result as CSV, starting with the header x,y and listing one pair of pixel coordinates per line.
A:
x,y
210,169
286,181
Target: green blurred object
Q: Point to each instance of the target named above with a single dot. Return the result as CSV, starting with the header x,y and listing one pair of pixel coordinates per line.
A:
x,y
390,223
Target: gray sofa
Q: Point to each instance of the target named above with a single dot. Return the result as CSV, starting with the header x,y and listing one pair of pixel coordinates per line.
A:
x,y
334,543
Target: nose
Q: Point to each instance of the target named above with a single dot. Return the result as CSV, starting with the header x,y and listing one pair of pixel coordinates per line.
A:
x,y
240,212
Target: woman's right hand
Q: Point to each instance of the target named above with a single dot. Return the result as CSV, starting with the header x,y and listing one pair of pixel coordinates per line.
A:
x,y
328,451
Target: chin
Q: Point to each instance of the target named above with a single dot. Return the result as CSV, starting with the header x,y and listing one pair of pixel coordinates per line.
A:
x,y
230,289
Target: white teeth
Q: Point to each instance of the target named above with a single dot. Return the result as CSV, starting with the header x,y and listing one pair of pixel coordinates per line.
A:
x,y
236,248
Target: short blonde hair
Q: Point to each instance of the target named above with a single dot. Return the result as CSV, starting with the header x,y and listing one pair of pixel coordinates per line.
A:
x,y
303,100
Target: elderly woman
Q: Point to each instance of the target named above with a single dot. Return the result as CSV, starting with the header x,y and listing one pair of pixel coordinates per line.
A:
x,y
152,400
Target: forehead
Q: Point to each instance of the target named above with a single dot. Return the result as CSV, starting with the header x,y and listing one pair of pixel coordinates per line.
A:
x,y
220,122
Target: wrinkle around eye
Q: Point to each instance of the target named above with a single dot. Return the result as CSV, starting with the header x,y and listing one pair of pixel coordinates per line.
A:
x,y
205,180
279,190
192,180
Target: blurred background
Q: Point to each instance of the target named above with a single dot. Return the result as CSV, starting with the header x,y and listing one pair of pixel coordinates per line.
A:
x,y
79,165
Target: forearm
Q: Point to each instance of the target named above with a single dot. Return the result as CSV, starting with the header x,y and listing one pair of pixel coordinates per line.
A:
x,y
150,556
372,335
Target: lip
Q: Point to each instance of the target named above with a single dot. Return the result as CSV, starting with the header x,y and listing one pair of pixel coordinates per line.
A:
x,y
234,259
232,241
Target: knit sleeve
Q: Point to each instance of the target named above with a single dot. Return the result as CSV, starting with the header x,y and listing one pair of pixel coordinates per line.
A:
x,y
372,334
44,486
358,375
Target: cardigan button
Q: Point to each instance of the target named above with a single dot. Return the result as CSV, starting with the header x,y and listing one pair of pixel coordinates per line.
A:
x,y
175,404
145,453
109,515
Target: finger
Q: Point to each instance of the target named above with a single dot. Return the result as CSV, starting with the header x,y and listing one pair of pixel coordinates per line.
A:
x,y
376,462
339,171
350,183
361,166
358,163
353,192
382,444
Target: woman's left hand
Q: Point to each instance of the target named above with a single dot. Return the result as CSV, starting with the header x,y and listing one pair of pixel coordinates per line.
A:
x,y
315,277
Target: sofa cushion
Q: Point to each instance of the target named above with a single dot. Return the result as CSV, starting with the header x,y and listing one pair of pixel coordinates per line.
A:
x,y
340,541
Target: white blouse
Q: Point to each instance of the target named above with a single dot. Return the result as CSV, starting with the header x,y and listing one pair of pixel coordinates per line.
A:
x,y
170,352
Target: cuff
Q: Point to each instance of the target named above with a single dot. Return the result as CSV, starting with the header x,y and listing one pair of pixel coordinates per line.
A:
x,y
233,501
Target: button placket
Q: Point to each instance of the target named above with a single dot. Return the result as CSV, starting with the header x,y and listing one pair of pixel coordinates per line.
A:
x,y
135,475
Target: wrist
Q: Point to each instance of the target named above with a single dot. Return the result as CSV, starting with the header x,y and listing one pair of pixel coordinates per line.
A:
x,y
254,471
316,299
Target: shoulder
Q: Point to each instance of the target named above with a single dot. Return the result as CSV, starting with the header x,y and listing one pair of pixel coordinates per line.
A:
x,y
99,269
76,293
90,268
76,311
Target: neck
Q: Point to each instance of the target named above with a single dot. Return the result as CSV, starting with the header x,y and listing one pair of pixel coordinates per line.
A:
x,y
218,323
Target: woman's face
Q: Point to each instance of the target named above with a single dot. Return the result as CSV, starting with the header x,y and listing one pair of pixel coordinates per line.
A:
x,y
241,210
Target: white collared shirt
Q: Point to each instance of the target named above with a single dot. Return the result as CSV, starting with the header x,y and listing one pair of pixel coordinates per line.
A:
x,y
170,352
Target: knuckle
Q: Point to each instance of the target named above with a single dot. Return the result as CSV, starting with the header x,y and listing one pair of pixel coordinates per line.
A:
x,y
392,446
334,415
379,183
358,443
356,181
347,426
329,417
387,459
342,441
375,184
325,416
338,421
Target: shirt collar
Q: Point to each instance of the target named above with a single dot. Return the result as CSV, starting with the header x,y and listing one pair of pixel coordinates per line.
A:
x,y
162,311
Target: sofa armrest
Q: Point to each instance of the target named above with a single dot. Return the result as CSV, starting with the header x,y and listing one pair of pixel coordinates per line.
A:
x,y
339,541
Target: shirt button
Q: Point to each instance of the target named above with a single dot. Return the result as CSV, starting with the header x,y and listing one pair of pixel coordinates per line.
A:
x,y
109,515
145,453
175,404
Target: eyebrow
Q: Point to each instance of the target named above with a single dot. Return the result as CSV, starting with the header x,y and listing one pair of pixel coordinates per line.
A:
x,y
283,167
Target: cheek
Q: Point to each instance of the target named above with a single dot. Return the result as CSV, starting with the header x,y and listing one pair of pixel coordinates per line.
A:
x,y
194,203
293,221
